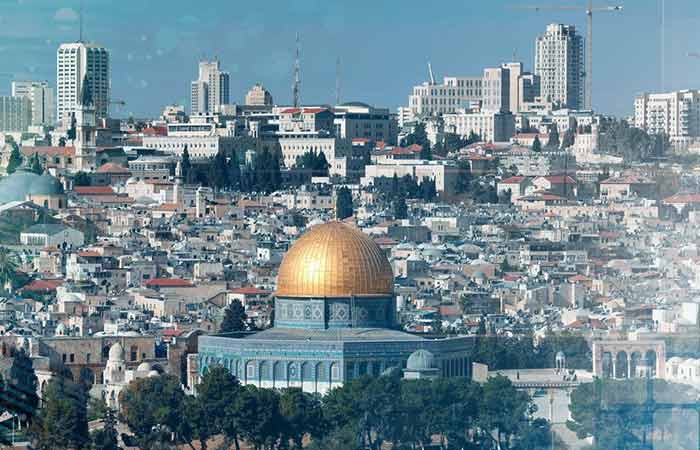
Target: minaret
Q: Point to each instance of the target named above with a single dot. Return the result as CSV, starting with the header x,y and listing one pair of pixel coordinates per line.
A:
x,y
297,80
85,129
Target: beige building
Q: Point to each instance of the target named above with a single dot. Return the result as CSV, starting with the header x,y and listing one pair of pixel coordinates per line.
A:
x,y
42,98
454,93
444,174
210,90
491,126
559,63
675,114
495,90
258,96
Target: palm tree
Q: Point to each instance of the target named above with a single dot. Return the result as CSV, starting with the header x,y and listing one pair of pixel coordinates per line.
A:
x,y
8,267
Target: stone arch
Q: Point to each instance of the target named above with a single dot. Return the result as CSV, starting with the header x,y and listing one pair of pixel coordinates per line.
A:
x,y
158,368
133,353
607,365
307,372
334,372
635,358
651,361
105,352
278,373
264,369
621,365
249,373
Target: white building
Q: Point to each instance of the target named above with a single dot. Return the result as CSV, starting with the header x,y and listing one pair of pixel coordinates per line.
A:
x,y
211,90
559,62
491,126
676,114
444,173
74,61
454,93
51,235
200,139
42,98
495,90
15,114
356,120
258,96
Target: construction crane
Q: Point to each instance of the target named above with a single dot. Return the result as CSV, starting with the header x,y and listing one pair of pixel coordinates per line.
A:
x,y
589,38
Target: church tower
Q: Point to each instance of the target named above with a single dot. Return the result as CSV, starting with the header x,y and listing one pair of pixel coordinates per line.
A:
x,y
85,128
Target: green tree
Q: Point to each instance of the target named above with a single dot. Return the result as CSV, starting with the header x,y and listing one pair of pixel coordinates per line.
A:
x,y
235,318
21,387
186,165
209,413
218,171
428,190
15,157
302,413
234,171
537,144
569,138
400,208
425,152
82,179
419,137
62,422
259,419
503,409
35,165
343,204
553,142
106,438
153,409
8,268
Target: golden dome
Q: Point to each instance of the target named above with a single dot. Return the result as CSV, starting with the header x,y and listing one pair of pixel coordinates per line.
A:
x,y
334,260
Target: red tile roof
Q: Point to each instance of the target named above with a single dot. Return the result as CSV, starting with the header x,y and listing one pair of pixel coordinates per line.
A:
x,y
93,190
168,282
250,290
42,286
48,151
560,179
304,110
113,168
683,198
513,180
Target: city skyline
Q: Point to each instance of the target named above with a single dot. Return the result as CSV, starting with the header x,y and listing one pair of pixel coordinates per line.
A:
x,y
154,64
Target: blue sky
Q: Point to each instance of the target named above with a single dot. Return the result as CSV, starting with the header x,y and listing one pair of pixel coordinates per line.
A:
x,y
384,45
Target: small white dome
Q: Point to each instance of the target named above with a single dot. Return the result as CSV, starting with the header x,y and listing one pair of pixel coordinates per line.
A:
x,y
144,367
153,373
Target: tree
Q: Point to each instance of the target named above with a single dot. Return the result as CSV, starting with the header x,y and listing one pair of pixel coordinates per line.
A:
x,y
428,190
218,171
234,171
343,204
35,165
107,438
536,144
82,179
553,142
400,208
62,141
186,165
62,422
302,414
503,408
235,318
8,268
71,133
419,137
153,408
259,419
15,157
21,389
208,413
425,152
569,138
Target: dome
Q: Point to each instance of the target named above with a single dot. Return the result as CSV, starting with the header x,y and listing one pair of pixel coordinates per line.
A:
x,y
420,360
334,260
116,352
153,374
17,186
144,367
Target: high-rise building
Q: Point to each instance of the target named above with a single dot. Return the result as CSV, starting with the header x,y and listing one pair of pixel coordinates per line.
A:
x,y
210,90
559,61
15,114
75,61
495,89
454,93
528,89
258,96
42,98
515,69
675,114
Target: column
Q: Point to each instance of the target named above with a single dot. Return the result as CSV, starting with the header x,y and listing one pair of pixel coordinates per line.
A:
x,y
614,365
629,365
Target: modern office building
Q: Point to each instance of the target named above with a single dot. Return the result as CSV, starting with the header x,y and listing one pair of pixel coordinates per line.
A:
x,y
491,126
15,114
495,90
211,90
559,62
676,114
258,96
357,120
42,97
75,61
454,93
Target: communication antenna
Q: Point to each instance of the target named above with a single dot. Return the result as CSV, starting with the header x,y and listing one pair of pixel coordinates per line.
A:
x,y
80,19
297,81
430,73
337,81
